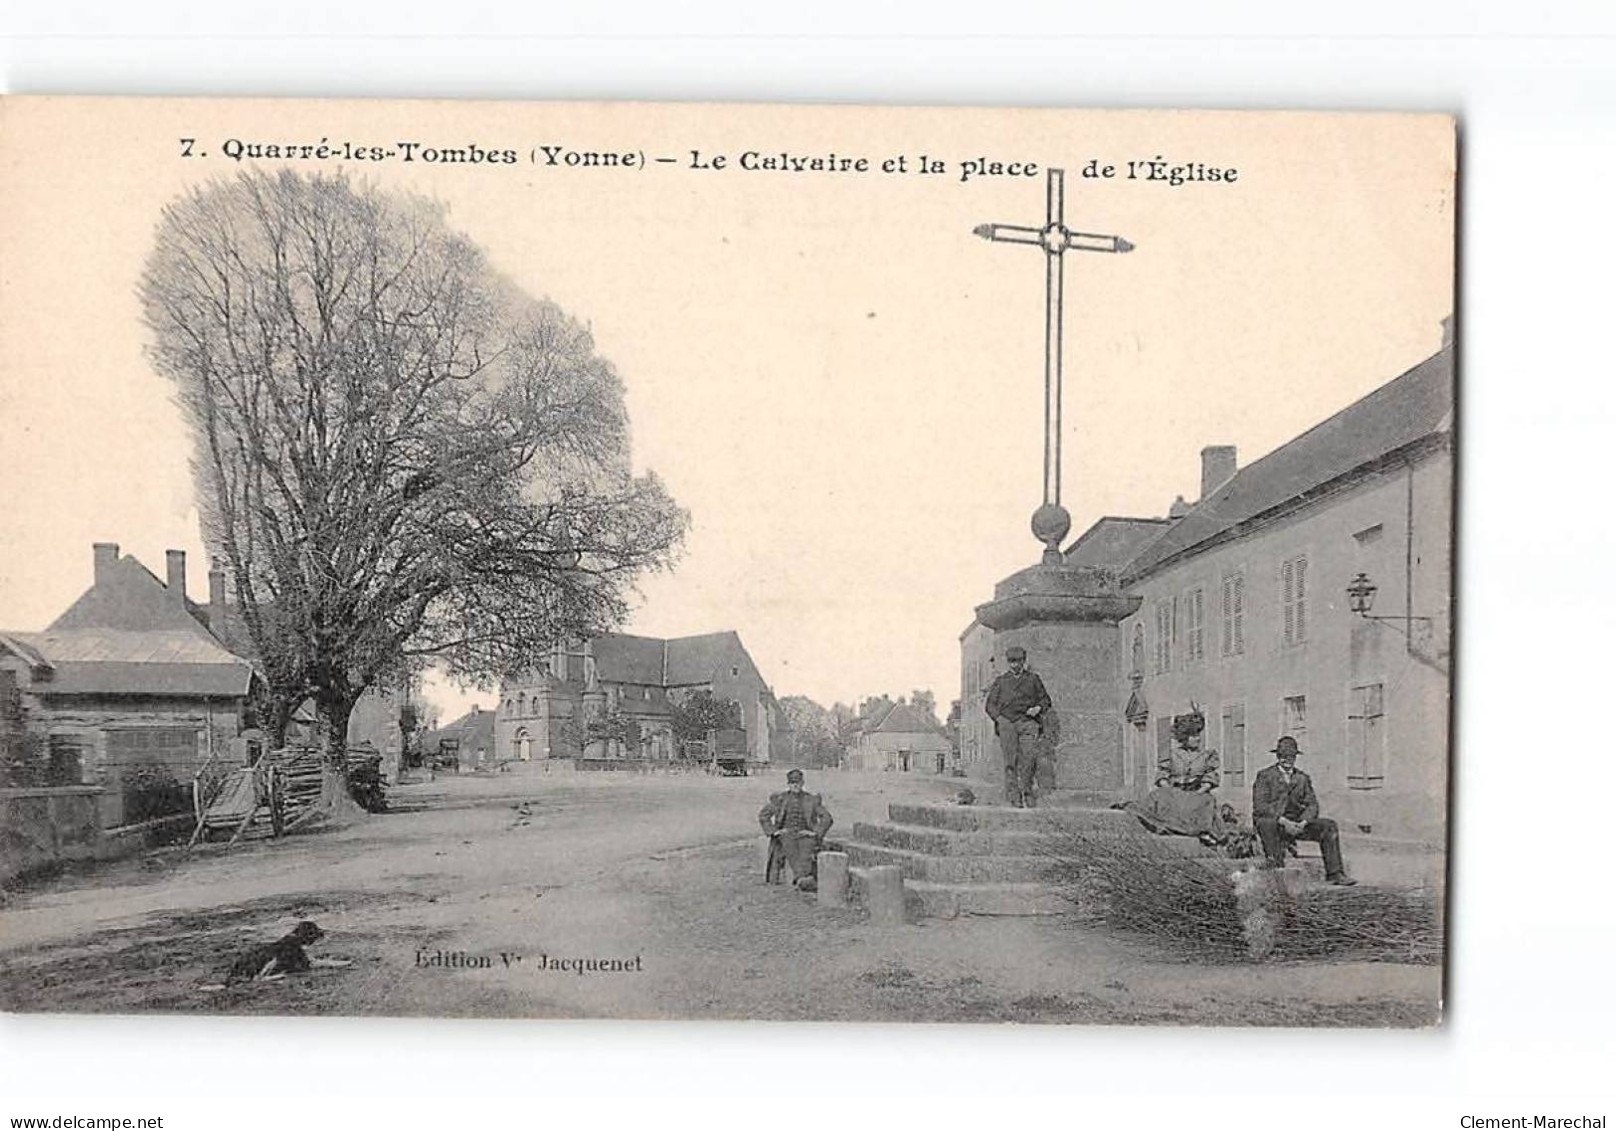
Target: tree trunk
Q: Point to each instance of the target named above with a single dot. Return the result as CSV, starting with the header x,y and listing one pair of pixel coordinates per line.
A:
x,y
279,720
333,713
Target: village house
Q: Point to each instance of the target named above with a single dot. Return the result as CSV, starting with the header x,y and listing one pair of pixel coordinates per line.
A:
x,y
468,740
635,681
128,690
902,738
135,683
1246,610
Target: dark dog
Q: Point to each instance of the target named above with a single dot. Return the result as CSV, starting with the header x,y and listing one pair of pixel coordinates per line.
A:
x,y
286,955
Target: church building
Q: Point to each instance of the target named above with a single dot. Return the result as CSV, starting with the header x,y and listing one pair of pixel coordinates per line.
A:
x,y
632,682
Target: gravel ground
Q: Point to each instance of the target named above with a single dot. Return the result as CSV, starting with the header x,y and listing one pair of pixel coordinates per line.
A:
x,y
658,878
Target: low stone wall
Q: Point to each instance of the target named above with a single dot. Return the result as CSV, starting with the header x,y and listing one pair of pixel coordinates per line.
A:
x,y
41,828
44,826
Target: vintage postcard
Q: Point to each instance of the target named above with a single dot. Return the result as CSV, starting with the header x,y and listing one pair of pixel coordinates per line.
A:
x,y
725,561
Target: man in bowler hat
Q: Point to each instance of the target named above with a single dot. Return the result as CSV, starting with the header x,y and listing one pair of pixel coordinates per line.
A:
x,y
1285,808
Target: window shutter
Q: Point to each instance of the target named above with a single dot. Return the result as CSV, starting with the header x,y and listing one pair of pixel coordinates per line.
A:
x,y
1287,573
1233,754
1239,614
1301,600
1355,739
1375,735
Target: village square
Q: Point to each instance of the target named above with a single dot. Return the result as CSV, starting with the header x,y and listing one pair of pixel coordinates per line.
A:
x,y
1190,767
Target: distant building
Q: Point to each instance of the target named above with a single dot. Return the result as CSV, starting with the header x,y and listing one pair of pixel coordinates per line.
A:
x,y
128,689
470,738
901,738
632,682
1244,612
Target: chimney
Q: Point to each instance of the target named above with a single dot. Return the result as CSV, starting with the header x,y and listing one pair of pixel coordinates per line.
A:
x,y
216,596
176,575
1217,467
106,556
1179,508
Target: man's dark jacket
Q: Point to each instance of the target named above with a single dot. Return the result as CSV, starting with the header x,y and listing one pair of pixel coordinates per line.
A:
x,y
1011,696
1271,797
815,817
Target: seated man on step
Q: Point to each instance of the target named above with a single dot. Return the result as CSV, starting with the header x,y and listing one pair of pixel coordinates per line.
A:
x,y
795,823
1284,808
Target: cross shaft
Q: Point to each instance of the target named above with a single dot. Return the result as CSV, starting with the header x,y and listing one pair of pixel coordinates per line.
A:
x,y
1056,239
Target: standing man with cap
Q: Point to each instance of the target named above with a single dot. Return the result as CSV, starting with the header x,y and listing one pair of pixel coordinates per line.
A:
x,y
1017,703
1285,808
795,823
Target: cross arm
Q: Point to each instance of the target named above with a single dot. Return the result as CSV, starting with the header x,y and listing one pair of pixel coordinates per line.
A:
x,y
1087,241
1009,233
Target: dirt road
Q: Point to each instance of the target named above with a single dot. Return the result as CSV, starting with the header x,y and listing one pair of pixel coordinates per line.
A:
x,y
469,908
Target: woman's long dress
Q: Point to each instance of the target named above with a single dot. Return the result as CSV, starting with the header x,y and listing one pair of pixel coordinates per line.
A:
x,y
1181,804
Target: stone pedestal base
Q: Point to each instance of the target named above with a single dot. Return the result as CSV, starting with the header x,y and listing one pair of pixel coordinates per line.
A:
x,y
1066,618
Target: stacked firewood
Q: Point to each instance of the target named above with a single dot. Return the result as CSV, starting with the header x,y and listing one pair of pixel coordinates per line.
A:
x,y
1136,884
297,784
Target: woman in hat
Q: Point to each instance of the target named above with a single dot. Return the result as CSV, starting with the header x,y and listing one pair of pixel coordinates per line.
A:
x,y
1183,802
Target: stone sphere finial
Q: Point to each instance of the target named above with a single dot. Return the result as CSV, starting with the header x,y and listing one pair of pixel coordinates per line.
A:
x,y
1050,525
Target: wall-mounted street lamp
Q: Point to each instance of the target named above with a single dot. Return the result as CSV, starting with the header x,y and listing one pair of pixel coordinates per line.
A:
x,y
1361,598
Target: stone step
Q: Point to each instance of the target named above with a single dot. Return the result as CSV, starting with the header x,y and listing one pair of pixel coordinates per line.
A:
x,y
949,901
952,869
1311,867
992,818
948,842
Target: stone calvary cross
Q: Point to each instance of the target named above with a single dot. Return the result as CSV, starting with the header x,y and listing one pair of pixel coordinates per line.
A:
x,y
1051,522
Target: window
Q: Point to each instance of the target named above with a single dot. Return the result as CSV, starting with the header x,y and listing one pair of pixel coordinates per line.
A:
x,y
1138,650
734,669
1164,739
1293,719
1233,753
1234,615
1195,631
1368,537
1293,585
66,764
1366,737
1164,636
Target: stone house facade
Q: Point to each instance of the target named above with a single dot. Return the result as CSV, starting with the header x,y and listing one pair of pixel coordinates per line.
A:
x,y
901,739
129,686
1241,609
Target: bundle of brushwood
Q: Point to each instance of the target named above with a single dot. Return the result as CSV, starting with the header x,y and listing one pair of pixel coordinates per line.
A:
x,y
308,789
1139,884
297,776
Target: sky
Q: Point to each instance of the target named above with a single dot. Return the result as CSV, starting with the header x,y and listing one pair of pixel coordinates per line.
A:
x,y
832,374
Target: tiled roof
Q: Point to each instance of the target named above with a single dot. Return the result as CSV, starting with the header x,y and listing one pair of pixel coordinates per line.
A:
x,y
128,635
1113,541
1415,406
165,646
695,659
474,729
110,661
905,719
129,597
106,677
620,658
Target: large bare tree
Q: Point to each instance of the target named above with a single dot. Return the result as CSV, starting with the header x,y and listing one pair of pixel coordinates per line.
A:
x,y
401,457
